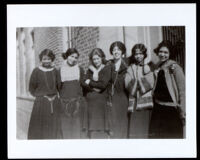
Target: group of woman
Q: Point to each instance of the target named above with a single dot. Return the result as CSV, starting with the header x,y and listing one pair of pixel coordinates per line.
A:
x,y
119,98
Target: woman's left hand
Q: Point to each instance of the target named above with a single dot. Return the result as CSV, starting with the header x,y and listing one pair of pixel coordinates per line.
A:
x,y
96,89
182,116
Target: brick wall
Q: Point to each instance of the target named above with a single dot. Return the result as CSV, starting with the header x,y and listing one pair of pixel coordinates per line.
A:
x,y
51,38
84,39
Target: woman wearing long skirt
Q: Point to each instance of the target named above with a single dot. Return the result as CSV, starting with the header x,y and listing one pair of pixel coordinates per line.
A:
x,y
117,93
74,107
139,82
168,114
96,82
44,84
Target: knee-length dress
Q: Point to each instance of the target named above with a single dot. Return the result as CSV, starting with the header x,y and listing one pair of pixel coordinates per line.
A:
x,y
73,117
96,96
45,116
169,102
119,99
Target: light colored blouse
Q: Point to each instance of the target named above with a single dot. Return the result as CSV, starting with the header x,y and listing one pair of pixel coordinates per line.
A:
x,y
69,73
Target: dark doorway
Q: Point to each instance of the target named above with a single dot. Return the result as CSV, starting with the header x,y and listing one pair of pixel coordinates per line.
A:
x,y
176,35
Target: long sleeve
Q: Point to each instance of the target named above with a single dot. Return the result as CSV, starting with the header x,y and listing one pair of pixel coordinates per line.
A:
x,y
146,79
58,80
180,82
82,75
104,78
33,83
83,84
130,83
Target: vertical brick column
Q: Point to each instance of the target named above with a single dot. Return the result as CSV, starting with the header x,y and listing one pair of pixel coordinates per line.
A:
x,y
84,39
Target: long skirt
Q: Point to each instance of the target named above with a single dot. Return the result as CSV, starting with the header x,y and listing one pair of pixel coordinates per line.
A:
x,y
74,118
43,123
96,115
165,123
119,116
139,124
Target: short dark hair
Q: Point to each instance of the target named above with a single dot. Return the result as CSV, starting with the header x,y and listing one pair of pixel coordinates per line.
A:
x,y
138,46
164,43
120,45
69,52
100,53
47,52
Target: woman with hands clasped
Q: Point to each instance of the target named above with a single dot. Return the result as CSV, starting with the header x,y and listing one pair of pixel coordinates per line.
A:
x,y
74,107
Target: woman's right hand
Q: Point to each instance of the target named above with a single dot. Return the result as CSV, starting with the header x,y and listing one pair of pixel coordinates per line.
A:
x,y
87,81
96,89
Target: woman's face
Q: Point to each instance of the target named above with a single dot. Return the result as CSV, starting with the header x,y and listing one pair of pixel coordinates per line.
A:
x,y
72,59
97,61
117,53
46,61
139,56
163,54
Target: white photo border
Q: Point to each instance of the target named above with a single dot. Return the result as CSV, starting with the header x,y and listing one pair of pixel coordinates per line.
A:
x,y
106,15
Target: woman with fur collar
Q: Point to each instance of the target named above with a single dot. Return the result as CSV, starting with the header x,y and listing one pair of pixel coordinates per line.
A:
x,y
95,85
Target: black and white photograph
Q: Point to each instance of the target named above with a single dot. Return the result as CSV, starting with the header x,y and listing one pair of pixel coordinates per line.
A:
x,y
101,85
68,88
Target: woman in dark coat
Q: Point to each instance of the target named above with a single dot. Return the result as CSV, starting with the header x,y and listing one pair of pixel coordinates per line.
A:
x,y
44,84
74,107
168,114
117,93
95,84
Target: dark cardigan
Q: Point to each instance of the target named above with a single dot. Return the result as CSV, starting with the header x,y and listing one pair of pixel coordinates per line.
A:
x,y
102,83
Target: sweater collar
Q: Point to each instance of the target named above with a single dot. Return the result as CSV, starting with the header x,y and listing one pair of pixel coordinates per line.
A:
x,y
45,69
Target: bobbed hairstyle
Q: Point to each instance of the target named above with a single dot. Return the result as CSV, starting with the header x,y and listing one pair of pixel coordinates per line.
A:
x,y
47,52
120,45
99,52
164,43
69,52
